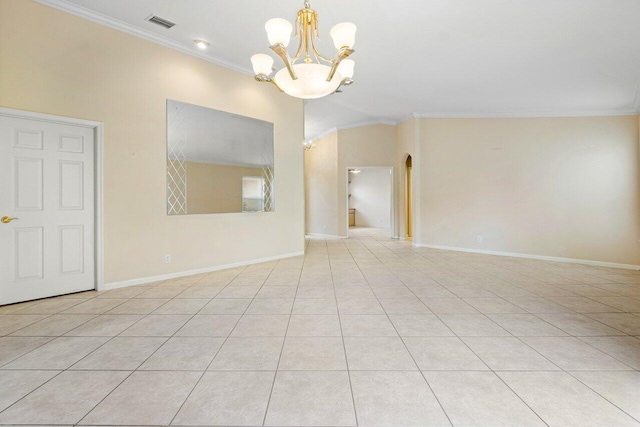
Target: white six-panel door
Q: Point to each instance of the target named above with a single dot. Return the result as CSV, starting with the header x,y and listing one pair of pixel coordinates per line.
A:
x,y
47,188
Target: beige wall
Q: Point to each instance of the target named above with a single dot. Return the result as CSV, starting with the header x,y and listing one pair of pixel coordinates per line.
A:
x,y
364,146
321,186
326,173
216,188
556,187
56,63
561,187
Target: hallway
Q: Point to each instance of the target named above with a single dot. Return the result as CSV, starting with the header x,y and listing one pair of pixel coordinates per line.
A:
x,y
359,331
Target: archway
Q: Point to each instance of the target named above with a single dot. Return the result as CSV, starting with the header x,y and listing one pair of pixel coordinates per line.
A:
x,y
408,199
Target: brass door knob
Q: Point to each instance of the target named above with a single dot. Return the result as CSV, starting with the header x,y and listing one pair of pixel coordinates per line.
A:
x,y
7,219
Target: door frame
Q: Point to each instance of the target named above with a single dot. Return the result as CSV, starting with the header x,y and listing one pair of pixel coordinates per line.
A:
x,y
392,205
98,170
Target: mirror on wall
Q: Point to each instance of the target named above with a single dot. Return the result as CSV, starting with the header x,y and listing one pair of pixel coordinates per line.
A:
x,y
217,162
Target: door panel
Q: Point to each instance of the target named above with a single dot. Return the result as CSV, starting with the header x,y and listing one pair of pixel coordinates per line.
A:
x,y
28,184
47,184
29,248
71,185
71,240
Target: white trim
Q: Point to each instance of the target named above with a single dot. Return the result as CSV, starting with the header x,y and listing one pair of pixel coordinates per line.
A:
x,y
534,114
633,112
98,128
368,123
99,204
332,236
162,277
407,117
23,114
353,126
530,256
322,135
116,24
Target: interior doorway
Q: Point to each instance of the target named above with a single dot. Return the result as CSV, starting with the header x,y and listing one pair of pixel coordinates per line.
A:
x,y
370,198
408,199
51,188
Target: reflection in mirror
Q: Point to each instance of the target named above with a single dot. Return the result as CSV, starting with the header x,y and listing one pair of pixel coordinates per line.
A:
x,y
217,162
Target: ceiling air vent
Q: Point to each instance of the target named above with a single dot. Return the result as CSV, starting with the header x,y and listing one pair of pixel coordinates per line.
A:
x,y
161,21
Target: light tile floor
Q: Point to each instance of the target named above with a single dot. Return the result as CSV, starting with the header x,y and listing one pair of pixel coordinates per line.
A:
x,y
364,331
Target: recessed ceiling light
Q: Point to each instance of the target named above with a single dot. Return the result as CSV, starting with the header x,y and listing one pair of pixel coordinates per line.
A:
x,y
202,44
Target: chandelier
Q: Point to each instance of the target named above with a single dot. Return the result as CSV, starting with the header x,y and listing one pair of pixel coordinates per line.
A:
x,y
316,75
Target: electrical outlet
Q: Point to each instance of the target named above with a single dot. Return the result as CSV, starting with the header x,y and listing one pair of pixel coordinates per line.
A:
x,y
479,239
167,259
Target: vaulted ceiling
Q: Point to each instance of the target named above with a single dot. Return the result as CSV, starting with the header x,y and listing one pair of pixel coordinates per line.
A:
x,y
429,58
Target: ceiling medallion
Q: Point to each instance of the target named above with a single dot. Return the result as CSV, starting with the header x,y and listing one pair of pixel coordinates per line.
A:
x,y
316,76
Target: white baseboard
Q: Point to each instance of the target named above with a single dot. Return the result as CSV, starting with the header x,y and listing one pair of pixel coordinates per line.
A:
x,y
332,236
151,279
529,256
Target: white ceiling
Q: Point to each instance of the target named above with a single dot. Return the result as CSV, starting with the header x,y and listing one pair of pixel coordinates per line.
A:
x,y
429,58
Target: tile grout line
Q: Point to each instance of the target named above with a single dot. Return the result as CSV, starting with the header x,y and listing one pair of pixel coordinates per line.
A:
x,y
344,347
135,370
598,393
284,340
67,369
404,343
569,334
496,372
151,355
384,261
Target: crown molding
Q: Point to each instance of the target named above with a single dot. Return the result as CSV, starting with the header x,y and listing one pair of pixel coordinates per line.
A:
x,y
408,117
354,126
540,114
116,24
323,134
368,123
634,112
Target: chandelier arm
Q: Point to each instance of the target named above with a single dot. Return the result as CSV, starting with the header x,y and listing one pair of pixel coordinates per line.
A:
x,y
300,34
342,54
300,51
273,82
264,78
316,53
344,82
281,51
307,20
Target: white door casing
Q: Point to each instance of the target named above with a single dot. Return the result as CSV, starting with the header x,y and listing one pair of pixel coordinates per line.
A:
x,y
47,182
